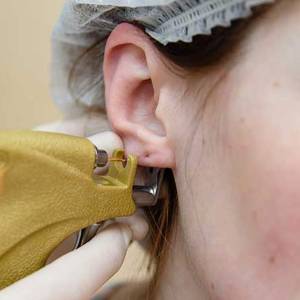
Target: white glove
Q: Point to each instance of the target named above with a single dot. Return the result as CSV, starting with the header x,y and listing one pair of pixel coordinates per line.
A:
x,y
79,274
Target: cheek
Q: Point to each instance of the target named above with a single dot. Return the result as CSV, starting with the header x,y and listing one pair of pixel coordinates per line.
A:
x,y
272,202
265,149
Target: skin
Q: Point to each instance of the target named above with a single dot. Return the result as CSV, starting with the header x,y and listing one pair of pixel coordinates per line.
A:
x,y
236,160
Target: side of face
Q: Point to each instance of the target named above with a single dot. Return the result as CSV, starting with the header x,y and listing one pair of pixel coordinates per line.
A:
x,y
236,160
241,197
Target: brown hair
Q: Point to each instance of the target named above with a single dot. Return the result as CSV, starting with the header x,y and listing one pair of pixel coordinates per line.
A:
x,y
204,51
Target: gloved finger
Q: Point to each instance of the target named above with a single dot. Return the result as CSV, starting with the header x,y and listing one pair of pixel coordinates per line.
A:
x,y
138,224
79,274
107,140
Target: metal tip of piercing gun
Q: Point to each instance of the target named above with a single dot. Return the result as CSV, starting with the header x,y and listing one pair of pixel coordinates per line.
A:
x,y
143,195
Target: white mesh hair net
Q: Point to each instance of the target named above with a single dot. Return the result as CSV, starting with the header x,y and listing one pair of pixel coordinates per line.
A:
x,y
80,34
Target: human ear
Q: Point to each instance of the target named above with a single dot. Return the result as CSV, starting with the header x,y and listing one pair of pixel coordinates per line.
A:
x,y
133,76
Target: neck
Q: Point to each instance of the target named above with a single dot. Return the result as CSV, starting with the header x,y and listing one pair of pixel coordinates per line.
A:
x,y
179,279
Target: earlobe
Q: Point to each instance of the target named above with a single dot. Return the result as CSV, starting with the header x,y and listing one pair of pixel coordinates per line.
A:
x,y
132,98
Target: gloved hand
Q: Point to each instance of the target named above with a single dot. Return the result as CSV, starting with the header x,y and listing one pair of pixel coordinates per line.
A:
x,y
79,274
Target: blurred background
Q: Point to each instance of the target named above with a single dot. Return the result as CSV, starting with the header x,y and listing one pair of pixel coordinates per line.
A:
x,y
25,30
